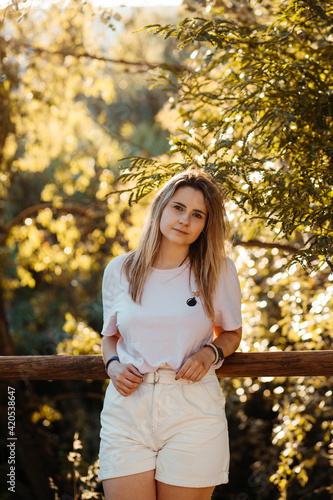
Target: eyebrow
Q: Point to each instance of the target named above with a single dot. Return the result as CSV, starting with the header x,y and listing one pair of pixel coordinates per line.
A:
x,y
194,210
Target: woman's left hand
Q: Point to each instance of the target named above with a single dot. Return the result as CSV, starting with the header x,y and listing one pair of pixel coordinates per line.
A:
x,y
197,365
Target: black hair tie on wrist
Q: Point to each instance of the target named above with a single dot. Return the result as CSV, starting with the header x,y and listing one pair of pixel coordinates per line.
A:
x,y
113,358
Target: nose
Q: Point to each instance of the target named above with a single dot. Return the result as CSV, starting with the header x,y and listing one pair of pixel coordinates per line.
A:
x,y
184,219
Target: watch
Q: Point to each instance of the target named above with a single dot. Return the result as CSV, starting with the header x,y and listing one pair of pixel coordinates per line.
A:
x,y
219,354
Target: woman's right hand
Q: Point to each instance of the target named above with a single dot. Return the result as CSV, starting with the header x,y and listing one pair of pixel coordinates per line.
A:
x,y
125,378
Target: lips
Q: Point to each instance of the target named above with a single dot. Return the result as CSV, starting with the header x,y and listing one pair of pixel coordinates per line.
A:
x,y
179,231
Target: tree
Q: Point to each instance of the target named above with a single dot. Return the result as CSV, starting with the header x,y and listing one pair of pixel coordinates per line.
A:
x,y
67,116
71,120
255,109
65,119
252,105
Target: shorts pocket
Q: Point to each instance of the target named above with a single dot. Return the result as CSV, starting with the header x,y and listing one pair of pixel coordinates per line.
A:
x,y
112,399
212,391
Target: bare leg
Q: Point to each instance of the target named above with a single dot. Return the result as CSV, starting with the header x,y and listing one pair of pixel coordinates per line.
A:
x,y
167,491
139,486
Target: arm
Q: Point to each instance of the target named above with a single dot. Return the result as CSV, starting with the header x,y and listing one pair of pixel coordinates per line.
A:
x,y
227,340
197,365
109,347
125,378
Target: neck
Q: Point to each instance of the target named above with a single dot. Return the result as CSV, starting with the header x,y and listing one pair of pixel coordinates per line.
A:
x,y
171,258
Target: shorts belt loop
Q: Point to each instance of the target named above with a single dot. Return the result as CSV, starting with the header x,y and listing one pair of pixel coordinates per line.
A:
x,y
156,376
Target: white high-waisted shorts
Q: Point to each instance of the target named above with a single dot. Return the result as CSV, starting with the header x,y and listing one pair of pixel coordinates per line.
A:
x,y
176,427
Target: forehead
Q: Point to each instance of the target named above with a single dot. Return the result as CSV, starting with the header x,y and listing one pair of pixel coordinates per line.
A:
x,y
191,197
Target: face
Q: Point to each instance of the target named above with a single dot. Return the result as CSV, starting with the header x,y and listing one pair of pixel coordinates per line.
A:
x,y
184,217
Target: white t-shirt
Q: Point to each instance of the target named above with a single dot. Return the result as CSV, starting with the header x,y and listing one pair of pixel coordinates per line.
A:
x,y
163,331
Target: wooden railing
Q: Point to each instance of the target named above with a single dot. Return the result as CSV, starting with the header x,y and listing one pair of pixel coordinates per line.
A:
x,y
252,364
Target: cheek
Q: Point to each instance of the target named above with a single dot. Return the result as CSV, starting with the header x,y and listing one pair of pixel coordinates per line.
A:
x,y
198,230
200,225
164,222
168,217
161,225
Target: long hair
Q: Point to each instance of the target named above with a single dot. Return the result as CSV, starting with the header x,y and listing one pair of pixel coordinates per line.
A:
x,y
207,254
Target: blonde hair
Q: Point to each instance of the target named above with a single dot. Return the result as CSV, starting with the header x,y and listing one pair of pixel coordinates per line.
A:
x,y
207,253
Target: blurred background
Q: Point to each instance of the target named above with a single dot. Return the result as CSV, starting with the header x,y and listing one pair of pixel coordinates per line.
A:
x,y
78,93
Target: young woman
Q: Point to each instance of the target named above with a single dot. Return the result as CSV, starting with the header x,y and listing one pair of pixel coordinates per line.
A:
x,y
163,426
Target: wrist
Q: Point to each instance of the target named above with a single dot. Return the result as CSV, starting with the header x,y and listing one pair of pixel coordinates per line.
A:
x,y
219,355
109,361
212,352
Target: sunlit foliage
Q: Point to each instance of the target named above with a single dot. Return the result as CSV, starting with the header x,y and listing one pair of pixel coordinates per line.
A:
x,y
247,97
252,105
69,110
68,123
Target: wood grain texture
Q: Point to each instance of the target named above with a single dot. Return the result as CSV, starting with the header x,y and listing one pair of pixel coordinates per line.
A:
x,y
252,364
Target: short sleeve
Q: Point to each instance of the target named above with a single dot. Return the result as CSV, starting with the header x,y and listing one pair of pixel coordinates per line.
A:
x,y
227,300
111,279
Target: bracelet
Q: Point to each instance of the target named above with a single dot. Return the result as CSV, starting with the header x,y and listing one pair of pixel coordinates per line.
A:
x,y
209,344
113,358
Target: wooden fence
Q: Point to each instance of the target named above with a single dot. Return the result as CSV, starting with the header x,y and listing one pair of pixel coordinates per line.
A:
x,y
252,364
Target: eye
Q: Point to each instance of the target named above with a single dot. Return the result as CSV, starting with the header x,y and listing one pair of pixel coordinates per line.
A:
x,y
178,207
197,215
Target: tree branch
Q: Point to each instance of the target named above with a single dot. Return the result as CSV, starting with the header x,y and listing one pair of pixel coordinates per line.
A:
x,y
87,212
31,211
143,64
119,137
262,244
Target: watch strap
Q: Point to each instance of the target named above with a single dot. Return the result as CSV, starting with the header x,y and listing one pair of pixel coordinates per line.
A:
x,y
219,355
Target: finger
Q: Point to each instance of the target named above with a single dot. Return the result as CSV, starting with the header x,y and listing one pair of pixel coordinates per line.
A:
x,y
195,375
127,385
195,372
128,375
199,377
133,370
180,373
185,371
190,367
129,379
126,391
